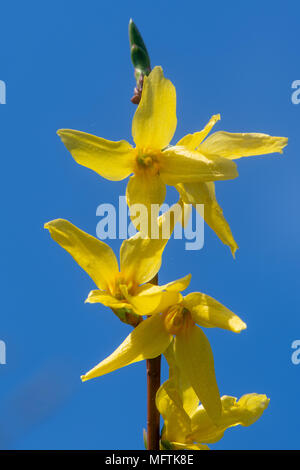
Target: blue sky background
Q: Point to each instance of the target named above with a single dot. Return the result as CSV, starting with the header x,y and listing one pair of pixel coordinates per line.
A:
x,y
66,64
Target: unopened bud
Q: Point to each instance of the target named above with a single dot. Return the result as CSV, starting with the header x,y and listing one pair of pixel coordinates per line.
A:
x,y
140,59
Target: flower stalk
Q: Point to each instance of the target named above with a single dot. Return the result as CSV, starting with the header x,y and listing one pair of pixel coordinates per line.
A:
x,y
153,384
153,416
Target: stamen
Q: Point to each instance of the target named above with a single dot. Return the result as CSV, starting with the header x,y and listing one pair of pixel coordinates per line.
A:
x,y
174,319
177,318
147,162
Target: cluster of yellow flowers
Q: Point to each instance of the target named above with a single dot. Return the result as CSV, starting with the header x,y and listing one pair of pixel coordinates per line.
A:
x,y
191,166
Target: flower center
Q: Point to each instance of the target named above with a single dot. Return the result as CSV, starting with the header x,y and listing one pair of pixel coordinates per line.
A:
x,y
147,162
175,319
122,287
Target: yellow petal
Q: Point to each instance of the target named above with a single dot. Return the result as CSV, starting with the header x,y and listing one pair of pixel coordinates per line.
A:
x,y
112,160
94,256
149,302
176,401
185,446
204,193
150,299
191,141
140,257
188,398
98,296
155,121
251,407
179,284
148,340
177,424
244,412
210,313
231,145
146,190
179,165
195,359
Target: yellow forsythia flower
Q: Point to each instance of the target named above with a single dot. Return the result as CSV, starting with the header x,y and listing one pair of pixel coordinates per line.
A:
x,y
192,165
187,424
153,163
177,325
140,260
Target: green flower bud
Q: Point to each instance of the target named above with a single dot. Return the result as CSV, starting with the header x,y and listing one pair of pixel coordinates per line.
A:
x,y
139,54
140,59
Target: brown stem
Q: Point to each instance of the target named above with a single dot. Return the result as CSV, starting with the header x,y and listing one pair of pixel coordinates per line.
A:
x,y
153,417
138,91
153,384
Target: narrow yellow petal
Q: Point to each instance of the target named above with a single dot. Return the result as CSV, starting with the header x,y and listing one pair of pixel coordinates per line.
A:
x,y
210,313
169,402
195,359
155,121
190,400
178,382
232,146
185,446
98,296
191,141
145,190
204,193
112,160
179,284
149,302
251,407
150,299
94,256
140,256
177,423
148,340
179,165
244,412
176,402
